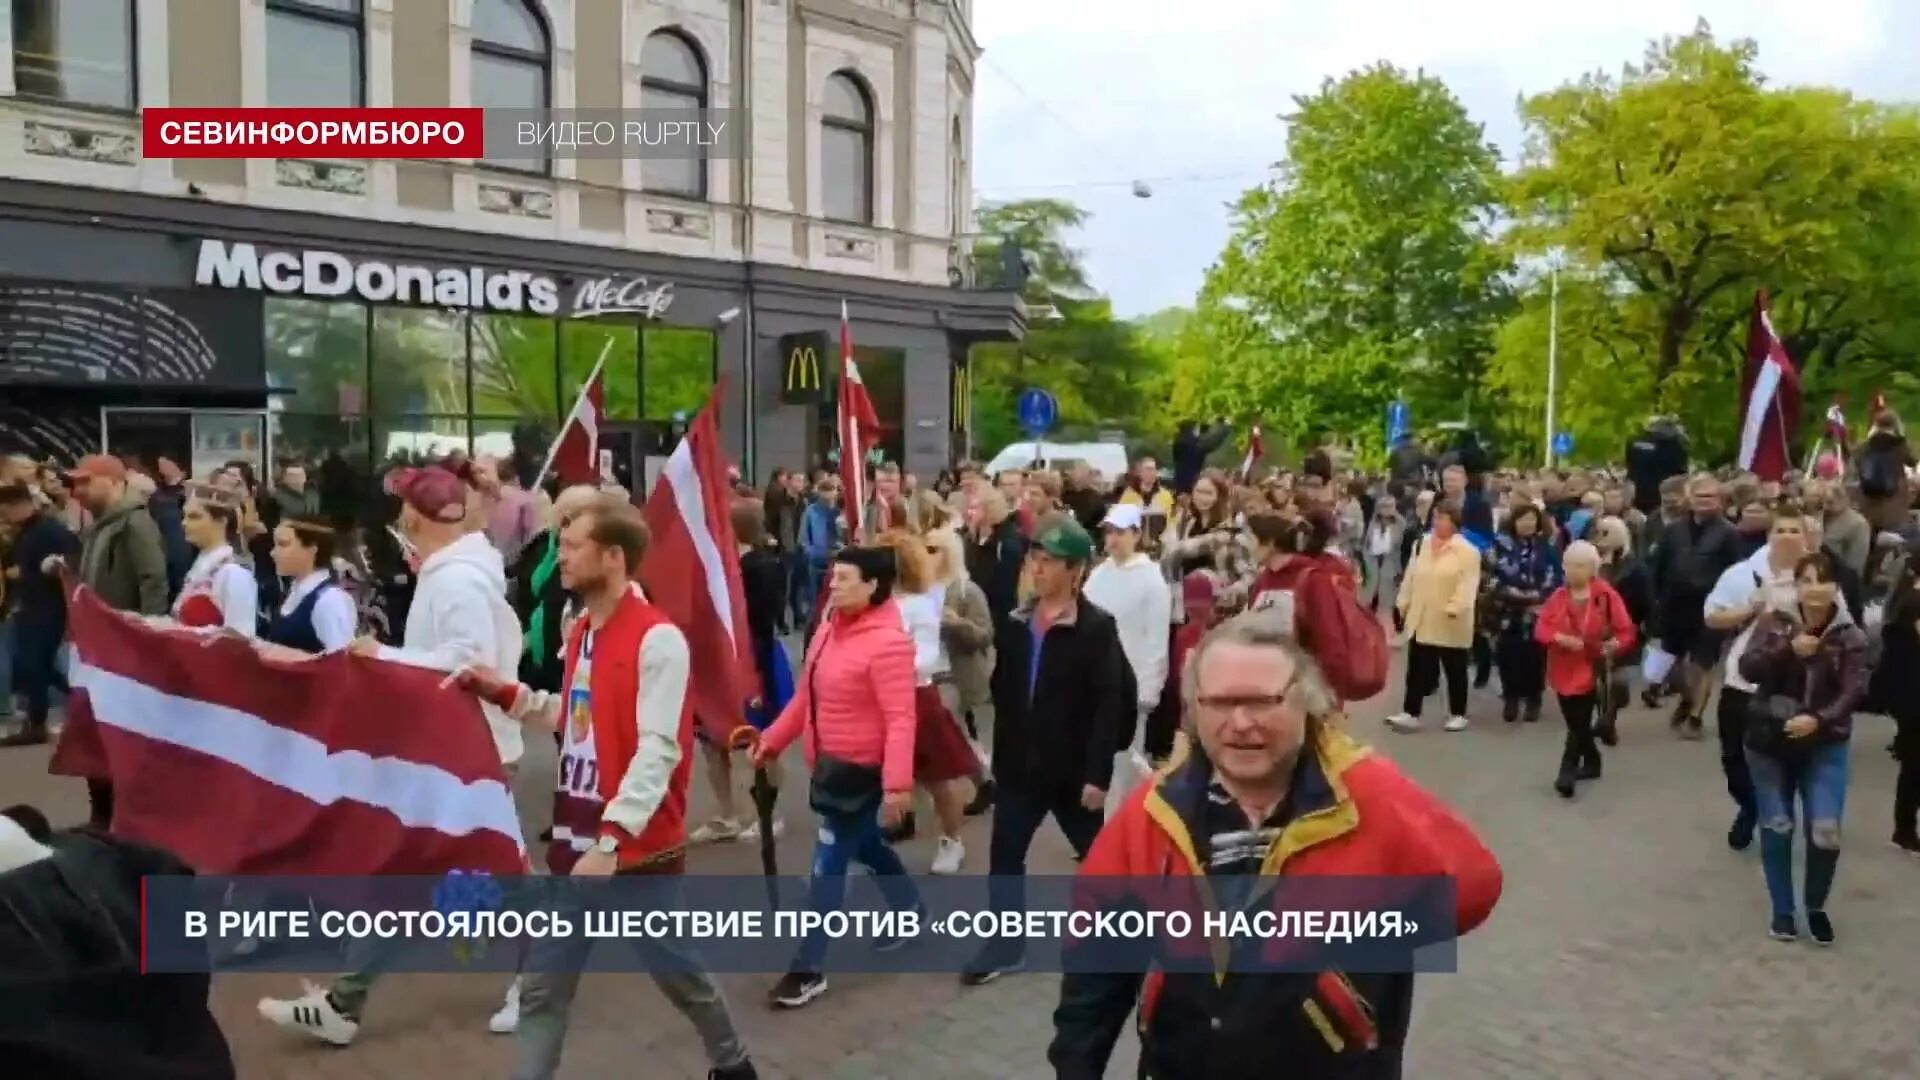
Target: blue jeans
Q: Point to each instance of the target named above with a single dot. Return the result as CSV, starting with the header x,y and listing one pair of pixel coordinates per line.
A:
x,y
799,600
1819,782
844,840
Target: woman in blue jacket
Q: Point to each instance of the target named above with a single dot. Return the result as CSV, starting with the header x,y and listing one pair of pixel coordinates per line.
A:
x,y
819,539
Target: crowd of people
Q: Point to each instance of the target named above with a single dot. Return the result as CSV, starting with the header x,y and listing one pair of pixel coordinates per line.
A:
x,y
1159,662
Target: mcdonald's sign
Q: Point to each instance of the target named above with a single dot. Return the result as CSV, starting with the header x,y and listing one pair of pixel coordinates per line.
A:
x,y
805,359
962,407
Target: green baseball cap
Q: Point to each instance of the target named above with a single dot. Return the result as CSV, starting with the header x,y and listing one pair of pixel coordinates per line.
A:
x,y
1066,540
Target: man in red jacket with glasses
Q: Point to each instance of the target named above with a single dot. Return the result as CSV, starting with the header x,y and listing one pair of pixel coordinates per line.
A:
x,y
1273,788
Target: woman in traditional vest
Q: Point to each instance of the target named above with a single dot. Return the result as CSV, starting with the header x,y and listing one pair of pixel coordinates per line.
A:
x,y
943,760
219,589
316,616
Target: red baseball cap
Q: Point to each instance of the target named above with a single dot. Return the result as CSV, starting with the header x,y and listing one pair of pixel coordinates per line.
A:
x,y
101,466
433,492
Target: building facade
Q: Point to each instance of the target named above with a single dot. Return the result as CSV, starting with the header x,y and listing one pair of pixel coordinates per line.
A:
x,y
354,311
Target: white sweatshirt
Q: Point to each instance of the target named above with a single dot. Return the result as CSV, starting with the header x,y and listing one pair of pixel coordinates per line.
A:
x,y
460,616
1135,593
1739,584
920,614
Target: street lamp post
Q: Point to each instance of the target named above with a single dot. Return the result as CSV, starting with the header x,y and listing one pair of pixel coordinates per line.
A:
x,y
1553,350
720,324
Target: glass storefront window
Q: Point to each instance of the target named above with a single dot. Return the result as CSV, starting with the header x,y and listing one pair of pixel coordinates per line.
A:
x,y
316,355
523,441
678,371
419,361
335,451
514,367
419,440
582,344
884,373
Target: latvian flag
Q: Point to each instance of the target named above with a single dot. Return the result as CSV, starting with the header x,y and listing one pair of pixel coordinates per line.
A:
x,y
858,431
575,455
692,572
1769,398
1255,451
242,765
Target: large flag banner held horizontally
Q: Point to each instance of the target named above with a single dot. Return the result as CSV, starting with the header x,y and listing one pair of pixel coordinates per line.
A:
x,y
692,572
242,765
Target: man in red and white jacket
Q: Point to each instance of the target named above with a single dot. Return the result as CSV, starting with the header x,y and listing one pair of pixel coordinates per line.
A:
x,y
620,807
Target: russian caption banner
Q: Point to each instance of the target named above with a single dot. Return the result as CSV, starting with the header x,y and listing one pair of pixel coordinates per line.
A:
x,y
760,925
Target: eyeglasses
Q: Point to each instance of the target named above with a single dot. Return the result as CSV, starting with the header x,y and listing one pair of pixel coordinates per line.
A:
x,y
1259,705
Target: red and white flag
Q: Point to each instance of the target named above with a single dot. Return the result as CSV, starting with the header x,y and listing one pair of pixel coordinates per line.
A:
x,y
1769,398
1837,427
242,765
575,455
858,431
1255,451
692,572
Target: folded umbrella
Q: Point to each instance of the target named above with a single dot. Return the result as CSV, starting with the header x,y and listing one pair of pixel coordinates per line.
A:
x,y
765,794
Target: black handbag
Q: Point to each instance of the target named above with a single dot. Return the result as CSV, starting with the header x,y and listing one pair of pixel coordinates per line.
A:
x,y
839,788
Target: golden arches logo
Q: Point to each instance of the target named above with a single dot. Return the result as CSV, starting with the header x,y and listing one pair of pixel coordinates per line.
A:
x,y
962,395
803,370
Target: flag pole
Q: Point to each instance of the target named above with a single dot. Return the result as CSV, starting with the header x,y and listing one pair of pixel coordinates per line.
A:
x,y
561,435
1786,437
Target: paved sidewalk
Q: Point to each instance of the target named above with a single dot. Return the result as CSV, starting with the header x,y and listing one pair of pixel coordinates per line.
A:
x,y
1629,943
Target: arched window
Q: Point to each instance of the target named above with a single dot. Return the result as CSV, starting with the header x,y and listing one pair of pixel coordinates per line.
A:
x,y
511,61
78,51
846,150
673,77
315,54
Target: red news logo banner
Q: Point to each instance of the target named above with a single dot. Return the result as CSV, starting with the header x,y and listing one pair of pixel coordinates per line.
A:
x,y
292,133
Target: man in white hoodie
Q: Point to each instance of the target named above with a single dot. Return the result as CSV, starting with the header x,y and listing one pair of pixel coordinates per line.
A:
x,y
459,619
1745,591
1131,587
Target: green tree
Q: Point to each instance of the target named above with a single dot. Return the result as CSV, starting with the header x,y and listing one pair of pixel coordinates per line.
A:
x,y
1364,271
1683,185
1102,370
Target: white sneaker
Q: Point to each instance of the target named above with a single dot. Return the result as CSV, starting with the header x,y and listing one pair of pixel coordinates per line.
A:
x,y
310,1014
1403,722
949,855
508,1017
719,830
751,834
1456,723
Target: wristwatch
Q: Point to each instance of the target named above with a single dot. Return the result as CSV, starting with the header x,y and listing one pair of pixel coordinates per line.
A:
x,y
607,845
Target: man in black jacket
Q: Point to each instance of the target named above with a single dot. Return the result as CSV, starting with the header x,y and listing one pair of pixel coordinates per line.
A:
x,y
1190,449
38,610
168,504
1687,562
74,1002
1063,704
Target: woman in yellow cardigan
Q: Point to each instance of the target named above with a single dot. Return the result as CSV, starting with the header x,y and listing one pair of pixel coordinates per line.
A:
x,y
1437,601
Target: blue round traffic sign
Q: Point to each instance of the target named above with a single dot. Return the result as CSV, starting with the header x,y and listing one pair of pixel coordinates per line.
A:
x,y
1037,411
1563,443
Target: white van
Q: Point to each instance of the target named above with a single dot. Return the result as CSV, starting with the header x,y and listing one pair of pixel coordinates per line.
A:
x,y
1108,459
